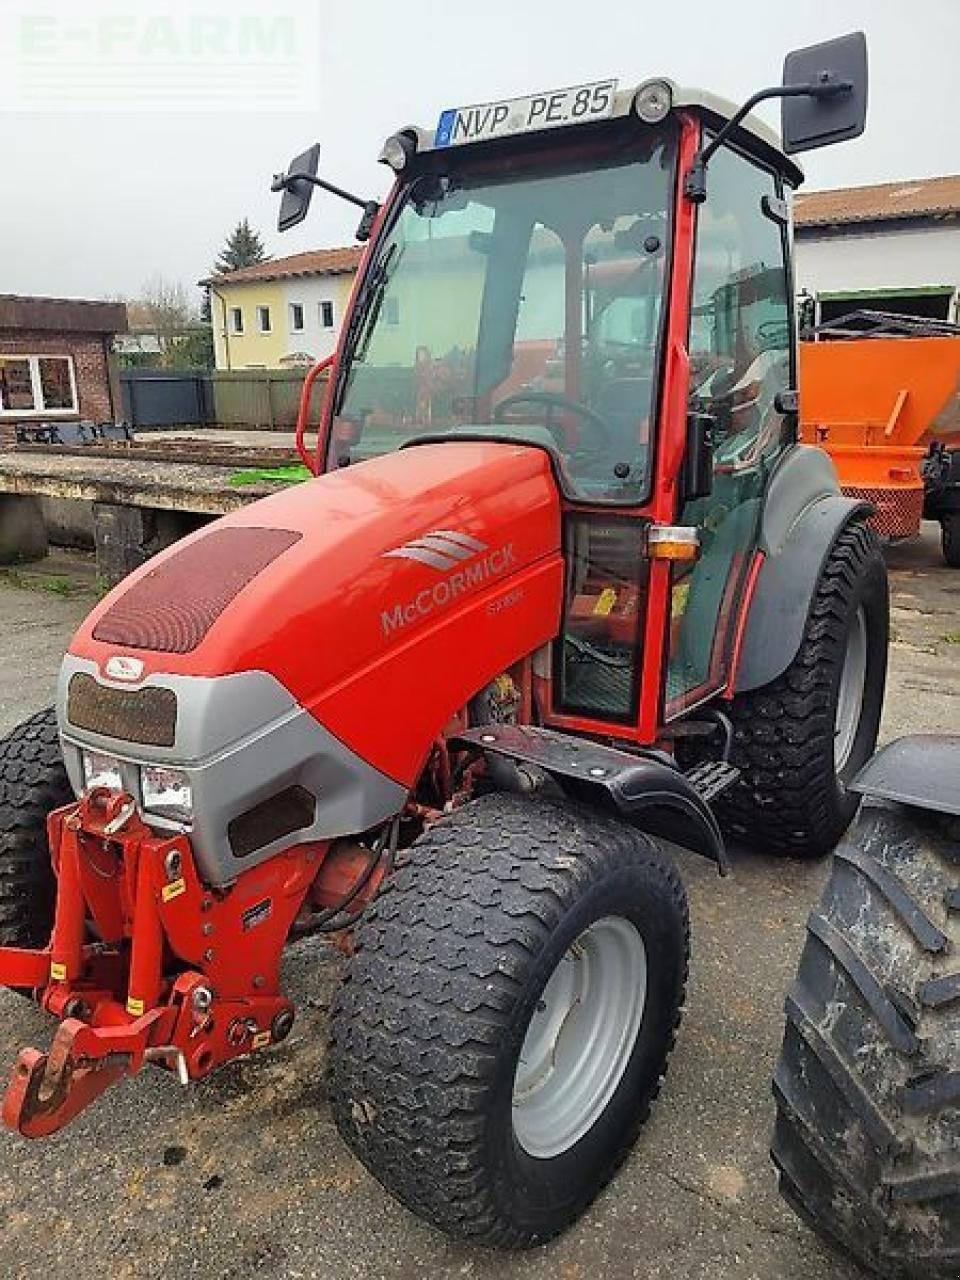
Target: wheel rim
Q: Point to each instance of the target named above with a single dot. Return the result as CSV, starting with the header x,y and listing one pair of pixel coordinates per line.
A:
x,y
580,1037
853,680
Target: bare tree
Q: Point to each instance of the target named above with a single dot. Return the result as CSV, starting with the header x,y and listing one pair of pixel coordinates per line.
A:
x,y
164,307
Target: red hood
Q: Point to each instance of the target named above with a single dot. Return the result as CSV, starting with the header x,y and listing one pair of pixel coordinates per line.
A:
x,y
328,584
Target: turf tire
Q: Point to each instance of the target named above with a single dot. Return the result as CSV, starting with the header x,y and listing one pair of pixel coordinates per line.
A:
x,y
427,1028
33,781
790,799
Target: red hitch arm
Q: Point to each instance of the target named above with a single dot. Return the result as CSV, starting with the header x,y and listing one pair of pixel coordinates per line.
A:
x,y
48,1089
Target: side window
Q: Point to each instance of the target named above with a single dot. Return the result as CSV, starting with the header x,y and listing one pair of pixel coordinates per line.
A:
x,y
740,326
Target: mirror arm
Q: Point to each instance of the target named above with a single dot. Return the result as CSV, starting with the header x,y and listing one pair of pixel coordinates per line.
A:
x,y
695,179
282,181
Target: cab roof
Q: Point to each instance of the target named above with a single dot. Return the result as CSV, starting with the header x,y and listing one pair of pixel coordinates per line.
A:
x,y
753,133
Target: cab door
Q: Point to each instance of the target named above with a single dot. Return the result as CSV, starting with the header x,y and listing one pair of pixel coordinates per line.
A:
x,y
740,346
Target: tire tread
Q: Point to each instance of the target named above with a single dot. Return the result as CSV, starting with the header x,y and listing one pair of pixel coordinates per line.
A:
x,y
784,732
866,1148
33,781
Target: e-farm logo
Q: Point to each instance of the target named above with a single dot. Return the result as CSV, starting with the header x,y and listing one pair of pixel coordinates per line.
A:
x,y
465,562
203,55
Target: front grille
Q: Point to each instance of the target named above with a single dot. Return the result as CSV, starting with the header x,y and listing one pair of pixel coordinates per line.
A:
x,y
288,811
146,716
171,608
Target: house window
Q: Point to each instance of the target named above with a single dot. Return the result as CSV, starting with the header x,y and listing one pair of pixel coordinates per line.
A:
x,y
326,315
263,319
391,311
296,317
236,320
56,383
16,385
37,384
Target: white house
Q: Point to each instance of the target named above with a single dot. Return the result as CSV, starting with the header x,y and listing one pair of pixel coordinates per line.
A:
x,y
283,312
890,247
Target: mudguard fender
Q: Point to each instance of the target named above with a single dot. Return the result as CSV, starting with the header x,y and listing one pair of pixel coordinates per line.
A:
x,y
646,790
919,770
785,588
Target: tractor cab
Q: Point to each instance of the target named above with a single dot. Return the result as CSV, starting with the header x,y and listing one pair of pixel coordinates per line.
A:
x,y
552,270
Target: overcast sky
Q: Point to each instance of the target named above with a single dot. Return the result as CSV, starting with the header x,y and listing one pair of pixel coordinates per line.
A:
x,y
96,202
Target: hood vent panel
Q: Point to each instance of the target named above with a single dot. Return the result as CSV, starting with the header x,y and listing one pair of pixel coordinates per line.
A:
x,y
171,608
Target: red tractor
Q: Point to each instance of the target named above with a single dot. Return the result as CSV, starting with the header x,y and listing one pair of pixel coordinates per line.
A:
x,y
565,587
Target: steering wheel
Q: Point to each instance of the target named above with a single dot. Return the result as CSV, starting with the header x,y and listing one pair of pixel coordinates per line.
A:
x,y
553,400
773,333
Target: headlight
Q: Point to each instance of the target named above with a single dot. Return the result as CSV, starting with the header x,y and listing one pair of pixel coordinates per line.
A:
x,y
166,792
100,771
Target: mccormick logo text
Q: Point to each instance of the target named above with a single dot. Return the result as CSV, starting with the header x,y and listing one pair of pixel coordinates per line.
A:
x,y
465,563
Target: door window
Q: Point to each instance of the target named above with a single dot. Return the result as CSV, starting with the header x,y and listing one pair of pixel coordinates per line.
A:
x,y
740,343
600,648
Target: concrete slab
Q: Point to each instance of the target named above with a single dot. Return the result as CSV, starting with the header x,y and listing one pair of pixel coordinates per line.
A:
x,y
167,485
245,1174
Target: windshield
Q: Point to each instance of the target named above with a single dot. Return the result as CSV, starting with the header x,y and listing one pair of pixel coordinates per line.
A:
x,y
522,301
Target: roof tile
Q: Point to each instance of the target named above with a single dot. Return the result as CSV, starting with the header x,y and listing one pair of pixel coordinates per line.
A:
x,y
314,262
916,198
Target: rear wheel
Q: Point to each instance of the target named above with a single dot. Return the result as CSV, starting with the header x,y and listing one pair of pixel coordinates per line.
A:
x,y
868,1083
33,781
800,740
505,1022
950,539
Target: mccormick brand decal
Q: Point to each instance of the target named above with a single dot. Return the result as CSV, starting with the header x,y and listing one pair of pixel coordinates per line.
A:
x,y
465,563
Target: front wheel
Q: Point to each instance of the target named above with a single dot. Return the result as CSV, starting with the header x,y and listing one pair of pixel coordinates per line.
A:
x,y
800,740
33,782
505,1021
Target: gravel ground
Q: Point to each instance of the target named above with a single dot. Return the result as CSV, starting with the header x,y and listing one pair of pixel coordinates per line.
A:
x,y
245,1174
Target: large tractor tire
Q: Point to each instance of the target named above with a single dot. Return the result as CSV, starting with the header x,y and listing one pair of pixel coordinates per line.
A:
x,y
950,539
505,1022
800,741
32,782
868,1084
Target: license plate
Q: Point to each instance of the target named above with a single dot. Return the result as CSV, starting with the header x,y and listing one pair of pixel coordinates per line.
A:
x,y
576,105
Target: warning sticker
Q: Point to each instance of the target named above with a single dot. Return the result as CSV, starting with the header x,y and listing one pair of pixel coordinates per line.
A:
x,y
58,972
605,602
256,914
173,889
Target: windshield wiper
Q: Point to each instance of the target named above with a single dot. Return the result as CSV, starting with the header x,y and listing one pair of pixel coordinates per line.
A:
x,y
377,279
373,297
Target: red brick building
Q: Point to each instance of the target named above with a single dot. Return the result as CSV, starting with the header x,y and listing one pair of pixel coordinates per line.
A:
x,y
56,361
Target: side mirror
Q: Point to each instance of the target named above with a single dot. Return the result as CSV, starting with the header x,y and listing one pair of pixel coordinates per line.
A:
x,y
296,190
838,68
698,465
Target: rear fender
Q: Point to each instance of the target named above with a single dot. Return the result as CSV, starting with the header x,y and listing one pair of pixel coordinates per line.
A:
x,y
919,770
785,589
647,791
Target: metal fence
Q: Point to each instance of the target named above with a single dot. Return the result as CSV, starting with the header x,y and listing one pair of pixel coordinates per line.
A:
x,y
155,398
261,398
